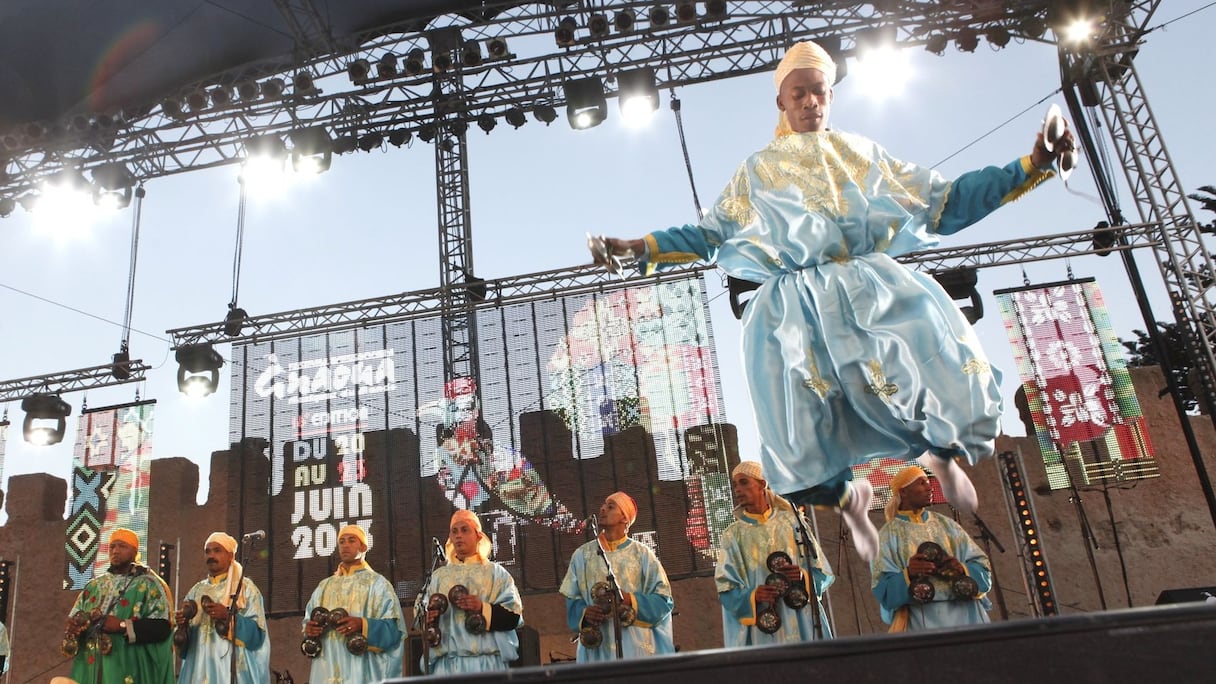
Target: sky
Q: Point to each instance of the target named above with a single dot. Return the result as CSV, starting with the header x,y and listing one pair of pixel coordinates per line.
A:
x,y
368,227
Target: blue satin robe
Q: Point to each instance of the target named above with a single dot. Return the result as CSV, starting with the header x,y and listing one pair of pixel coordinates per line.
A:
x,y
461,651
367,594
638,572
849,355
207,656
742,567
897,542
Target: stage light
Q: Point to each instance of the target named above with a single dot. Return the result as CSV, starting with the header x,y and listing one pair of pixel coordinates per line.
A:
x,y
624,20
1104,238
7,206
545,114
345,144
686,11
359,71
1079,30
265,156
248,90
597,25
120,364
486,122
564,33
515,117
937,44
426,132
165,567
198,370
112,185
458,127
715,9
196,101
272,88
998,36
959,283
370,141
43,407
65,205
470,54
967,39
659,16
399,137
234,322
441,60
221,96
303,83
312,150
585,103
497,48
1033,27
386,66
637,94
415,62
29,201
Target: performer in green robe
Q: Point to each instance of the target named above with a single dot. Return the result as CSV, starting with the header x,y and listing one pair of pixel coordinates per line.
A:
x,y
125,639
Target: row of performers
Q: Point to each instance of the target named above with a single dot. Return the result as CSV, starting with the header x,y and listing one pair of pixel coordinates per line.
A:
x,y
928,574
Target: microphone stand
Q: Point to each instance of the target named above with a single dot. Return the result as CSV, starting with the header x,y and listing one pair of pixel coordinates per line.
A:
x,y
809,556
236,595
420,608
990,540
616,594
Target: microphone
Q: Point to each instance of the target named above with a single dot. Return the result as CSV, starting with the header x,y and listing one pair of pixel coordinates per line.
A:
x,y
594,523
438,549
257,534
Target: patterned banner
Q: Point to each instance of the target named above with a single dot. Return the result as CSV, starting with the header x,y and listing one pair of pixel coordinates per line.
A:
x,y
110,478
1078,390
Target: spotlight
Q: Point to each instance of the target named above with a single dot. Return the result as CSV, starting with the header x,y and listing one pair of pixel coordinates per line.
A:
x,y
496,48
624,20
458,127
470,54
303,83
998,36
44,407
715,9
426,132
399,137
959,283
196,101
545,114
564,33
659,16
198,371
120,364
312,150
359,71
248,90
272,88
268,146
7,206
1104,238
370,141
221,96
344,144
686,11
638,97
386,66
112,185
515,117
585,103
441,60
1033,27
967,39
234,322
937,44
486,122
29,201
415,62
597,25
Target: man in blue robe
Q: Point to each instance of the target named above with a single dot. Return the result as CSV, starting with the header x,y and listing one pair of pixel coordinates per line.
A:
x,y
766,524
901,562
478,627
374,613
644,590
848,355
208,651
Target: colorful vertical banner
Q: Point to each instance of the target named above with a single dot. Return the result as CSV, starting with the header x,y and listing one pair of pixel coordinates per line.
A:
x,y
1078,390
110,480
